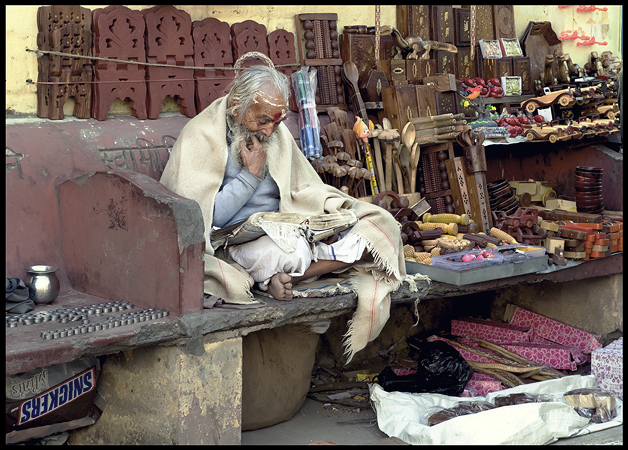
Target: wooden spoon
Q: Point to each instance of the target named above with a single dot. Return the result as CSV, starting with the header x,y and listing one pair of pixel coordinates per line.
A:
x,y
415,155
351,74
407,138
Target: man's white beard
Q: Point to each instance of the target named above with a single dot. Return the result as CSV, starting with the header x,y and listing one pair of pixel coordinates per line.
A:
x,y
241,133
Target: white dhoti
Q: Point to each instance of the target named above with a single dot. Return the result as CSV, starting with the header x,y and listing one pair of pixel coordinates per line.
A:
x,y
262,258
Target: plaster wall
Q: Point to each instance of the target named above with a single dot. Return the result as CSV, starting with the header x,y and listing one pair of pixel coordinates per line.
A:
x,y
21,34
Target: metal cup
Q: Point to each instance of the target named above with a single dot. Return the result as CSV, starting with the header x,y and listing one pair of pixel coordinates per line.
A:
x,y
42,283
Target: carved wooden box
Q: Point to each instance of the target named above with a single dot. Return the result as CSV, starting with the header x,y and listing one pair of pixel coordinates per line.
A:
x,y
462,26
360,48
504,21
521,68
415,20
426,100
445,61
443,23
485,68
503,67
371,88
465,67
445,102
397,71
444,82
484,28
418,69
400,104
467,111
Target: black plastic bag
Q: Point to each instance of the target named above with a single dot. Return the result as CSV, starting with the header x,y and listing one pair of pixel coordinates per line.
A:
x,y
18,294
441,370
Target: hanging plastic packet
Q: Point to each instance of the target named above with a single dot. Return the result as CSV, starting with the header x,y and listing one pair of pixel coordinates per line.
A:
x,y
304,85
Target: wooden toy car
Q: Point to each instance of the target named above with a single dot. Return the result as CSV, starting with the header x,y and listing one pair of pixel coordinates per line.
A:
x,y
567,131
543,133
609,111
563,97
539,191
527,217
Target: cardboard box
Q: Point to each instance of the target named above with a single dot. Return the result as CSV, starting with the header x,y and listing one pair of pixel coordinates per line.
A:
x,y
555,331
491,330
607,365
466,354
481,384
552,355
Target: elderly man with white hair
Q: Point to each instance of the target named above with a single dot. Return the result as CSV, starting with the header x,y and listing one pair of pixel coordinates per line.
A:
x,y
236,158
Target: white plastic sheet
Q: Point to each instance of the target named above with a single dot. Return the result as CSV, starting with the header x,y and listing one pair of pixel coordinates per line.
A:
x,y
403,415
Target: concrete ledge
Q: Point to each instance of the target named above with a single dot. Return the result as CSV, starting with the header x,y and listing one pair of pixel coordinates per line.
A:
x,y
25,350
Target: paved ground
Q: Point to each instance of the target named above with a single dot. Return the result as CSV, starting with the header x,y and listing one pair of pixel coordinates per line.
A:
x,y
348,426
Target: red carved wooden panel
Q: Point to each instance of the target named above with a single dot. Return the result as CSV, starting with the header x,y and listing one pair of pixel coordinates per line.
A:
x,y
212,48
212,43
168,34
248,36
66,29
281,47
282,52
169,41
119,34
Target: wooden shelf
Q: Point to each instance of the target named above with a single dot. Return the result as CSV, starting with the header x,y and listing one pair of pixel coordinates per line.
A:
x,y
507,99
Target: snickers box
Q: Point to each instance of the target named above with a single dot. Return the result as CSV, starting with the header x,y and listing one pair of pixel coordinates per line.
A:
x,y
607,366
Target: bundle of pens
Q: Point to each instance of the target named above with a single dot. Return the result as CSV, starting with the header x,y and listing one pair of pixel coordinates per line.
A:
x,y
304,85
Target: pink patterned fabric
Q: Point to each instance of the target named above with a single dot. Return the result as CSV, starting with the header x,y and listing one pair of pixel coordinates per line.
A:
x,y
556,331
491,330
607,365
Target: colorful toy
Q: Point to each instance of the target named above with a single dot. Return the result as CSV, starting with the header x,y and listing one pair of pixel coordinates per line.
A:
x,y
362,132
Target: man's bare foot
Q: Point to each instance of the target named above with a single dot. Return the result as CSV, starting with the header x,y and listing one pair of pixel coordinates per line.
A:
x,y
280,287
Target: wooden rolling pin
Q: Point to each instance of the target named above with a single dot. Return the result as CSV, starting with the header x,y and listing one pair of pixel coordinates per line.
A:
x,y
447,218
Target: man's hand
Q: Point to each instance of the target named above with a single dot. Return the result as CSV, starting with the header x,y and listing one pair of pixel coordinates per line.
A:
x,y
253,156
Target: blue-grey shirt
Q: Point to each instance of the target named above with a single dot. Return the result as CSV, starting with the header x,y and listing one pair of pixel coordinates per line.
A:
x,y
242,194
